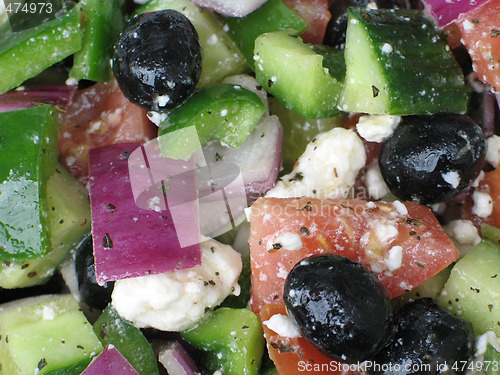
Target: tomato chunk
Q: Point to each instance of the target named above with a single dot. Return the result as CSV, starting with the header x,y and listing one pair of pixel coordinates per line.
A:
x,y
316,14
296,356
98,116
402,243
480,31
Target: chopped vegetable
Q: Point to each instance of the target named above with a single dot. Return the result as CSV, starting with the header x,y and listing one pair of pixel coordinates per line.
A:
x,y
231,8
446,11
176,360
149,243
110,362
57,95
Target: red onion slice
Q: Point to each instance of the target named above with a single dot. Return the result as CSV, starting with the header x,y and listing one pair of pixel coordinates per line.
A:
x,y
447,11
177,361
60,95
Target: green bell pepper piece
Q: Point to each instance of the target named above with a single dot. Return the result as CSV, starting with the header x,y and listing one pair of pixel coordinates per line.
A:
x,y
273,15
224,112
232,339
220,55
103,22
111,328
28,157
27,53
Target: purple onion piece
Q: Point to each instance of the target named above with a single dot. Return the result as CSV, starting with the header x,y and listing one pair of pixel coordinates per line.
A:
x,y
231,8
110,362
447,11
59,95
177,361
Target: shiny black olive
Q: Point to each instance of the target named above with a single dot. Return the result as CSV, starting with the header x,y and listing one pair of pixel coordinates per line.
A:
x,y
337,26
340,306
428,341
431,159
91,293
157,60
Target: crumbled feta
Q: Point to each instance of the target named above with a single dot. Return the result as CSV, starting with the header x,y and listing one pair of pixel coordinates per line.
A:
x,y
162,100
385,231
377,128
463,233
387,48
493,150
452,178
483,204
286,241
177,300
375,183
395,258
282,325
327,168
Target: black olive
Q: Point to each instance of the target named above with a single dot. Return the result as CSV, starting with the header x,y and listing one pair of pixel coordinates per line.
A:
x,y
340,306
91,293
431,159
428,341
337,26
157,60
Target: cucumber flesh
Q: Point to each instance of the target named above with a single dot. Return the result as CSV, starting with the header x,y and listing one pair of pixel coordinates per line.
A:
x,y
292,72
398,63
69,222
473,288
46,335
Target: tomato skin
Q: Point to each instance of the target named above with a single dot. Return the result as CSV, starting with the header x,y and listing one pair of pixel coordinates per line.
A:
x,y
353,228
99,115
480,32
316,14
296,356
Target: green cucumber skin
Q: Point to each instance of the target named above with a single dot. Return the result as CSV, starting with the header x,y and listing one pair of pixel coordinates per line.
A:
x,y
236,334
421,75
473,288
273,15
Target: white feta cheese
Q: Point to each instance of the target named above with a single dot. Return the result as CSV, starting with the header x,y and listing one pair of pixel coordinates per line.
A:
x,y
452,178
286,241
175,301
377,128
395,258
282,325
375,183
463,233
483,204
327,168
493,150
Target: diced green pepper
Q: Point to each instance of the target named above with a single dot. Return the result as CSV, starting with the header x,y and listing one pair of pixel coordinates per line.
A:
x,y
227,113
274,15
27,53
111,328
220,55
233,341
46,335
491,363
103,22
28,157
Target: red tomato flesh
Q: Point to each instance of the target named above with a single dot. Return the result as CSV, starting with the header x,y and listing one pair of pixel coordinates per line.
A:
x,y
402,243
480,31
296,356
316,15
98,116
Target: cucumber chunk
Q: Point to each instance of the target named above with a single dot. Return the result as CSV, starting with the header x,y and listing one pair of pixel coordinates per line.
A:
x,y
398,63
473,288
232,339
46,335
294,73
27,160
221,56
69,222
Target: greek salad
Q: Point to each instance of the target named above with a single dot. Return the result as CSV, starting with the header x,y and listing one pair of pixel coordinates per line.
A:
x,y
271,187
